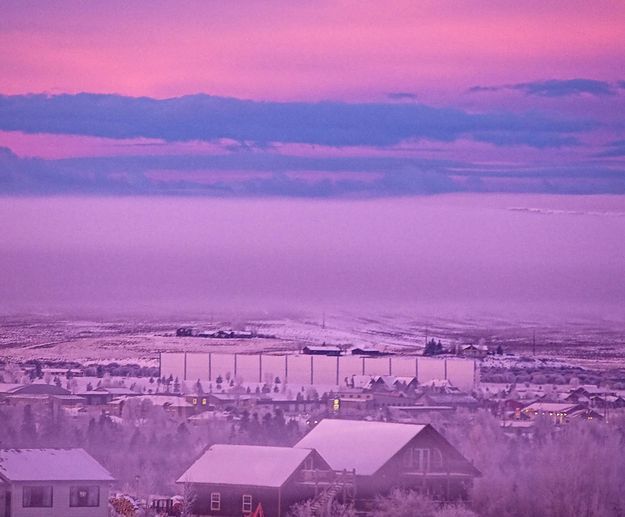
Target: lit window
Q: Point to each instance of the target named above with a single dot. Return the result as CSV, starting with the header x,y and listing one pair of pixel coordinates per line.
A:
x,y
195,402
37,497
215,501
84,496
203,402
247,504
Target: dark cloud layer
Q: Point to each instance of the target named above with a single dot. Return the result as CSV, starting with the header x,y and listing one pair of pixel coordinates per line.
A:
x,y
615,149
208,118
402,96
557,87
251,165
269,174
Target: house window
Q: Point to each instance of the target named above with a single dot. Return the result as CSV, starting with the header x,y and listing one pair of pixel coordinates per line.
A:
x,y
418,459
247,504
203,402
436,458
215,501
84,496
37,497
421,459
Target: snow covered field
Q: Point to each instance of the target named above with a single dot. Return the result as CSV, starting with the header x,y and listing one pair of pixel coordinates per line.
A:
x,y
580,342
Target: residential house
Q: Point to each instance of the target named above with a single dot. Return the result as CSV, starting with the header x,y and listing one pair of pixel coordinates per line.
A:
x,y
607,402
369,352
386,455
474,351
174,405
52,483
322,350
352,400
14,393
232,480
557,411
455,400
102,395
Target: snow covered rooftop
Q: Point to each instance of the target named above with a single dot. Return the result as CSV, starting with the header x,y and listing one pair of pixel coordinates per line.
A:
x,y
251,465
551,407
322,348
8,388
361,445
50,465
157,400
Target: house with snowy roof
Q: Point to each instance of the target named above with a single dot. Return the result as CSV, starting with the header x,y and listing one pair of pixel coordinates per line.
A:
x,y
176,405
333,351
235,479
31,392
558,412
52,483
387,455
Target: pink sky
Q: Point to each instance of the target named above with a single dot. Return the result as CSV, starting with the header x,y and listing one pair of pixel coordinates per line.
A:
x,y
343,51
284,50
393,191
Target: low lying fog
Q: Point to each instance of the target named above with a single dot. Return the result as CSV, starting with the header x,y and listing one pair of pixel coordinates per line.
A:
x,y
479,252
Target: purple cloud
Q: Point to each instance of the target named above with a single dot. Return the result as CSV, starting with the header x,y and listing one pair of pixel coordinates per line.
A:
x,y
556,88
267,174
337,124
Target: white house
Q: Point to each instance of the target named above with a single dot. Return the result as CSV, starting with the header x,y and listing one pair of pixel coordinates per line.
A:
x,y
52,483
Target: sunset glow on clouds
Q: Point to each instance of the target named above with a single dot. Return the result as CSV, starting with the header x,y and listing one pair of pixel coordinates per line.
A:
x,y
397,98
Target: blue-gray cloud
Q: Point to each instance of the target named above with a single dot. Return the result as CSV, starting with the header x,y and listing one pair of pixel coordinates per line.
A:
x,y
402,96
208,118
557,87
273,174
614,149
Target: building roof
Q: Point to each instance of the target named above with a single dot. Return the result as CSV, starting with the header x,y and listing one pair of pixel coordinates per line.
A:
x,y
165,401
323,348
446,399
50,465
361,445
250,465
8,388
38,389
551,407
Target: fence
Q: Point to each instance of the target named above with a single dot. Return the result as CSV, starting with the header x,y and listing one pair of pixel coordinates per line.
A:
x,y
314,369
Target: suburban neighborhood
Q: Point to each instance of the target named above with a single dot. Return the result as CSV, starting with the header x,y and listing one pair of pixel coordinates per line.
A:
x,y
272,442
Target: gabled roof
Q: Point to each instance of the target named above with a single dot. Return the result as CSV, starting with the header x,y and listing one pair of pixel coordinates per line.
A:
x,y
322,348
361,445
38,389
8,388
50,465
250,465
551,407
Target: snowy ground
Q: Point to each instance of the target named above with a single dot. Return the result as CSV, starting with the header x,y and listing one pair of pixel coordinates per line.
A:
x,y
589,343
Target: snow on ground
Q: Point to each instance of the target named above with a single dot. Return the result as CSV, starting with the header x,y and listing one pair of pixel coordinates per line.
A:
x,y
582,342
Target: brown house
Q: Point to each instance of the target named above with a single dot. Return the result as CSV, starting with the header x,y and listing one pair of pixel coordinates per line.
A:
x,y
389,455
232,480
